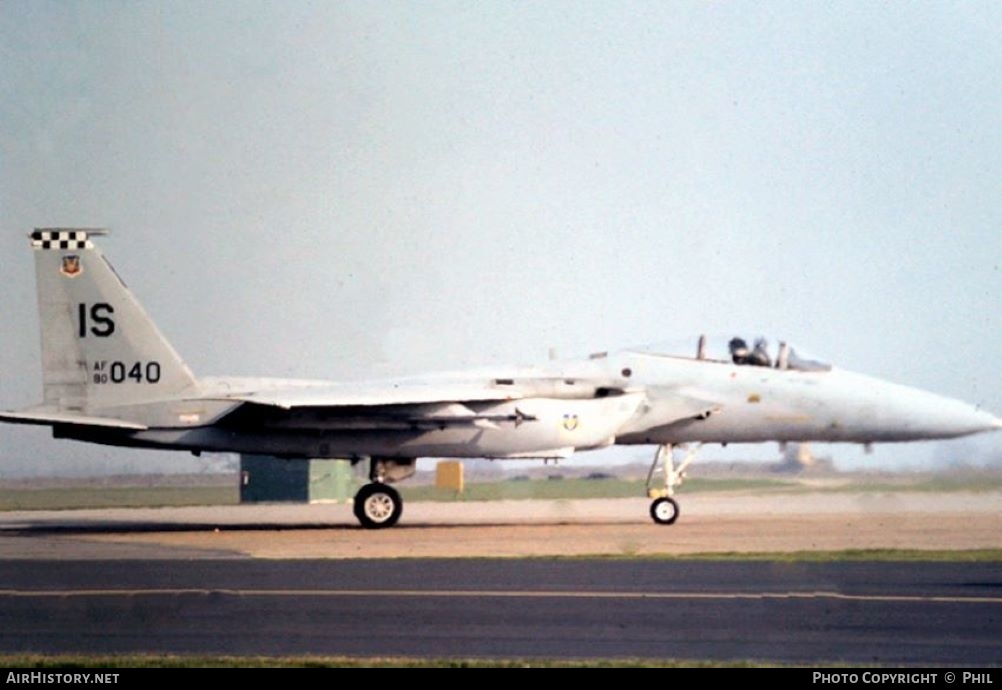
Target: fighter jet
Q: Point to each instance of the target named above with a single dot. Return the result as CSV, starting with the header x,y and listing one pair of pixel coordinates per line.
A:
x,y
110,377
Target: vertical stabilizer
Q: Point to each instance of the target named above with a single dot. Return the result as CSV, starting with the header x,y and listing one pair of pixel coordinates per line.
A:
x,y
99,347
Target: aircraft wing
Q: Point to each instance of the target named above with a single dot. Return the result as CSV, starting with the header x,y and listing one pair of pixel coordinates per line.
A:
x,y
401,405
373,395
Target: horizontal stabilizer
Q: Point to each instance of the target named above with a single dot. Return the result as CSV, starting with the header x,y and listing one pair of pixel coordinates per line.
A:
x,y
52,417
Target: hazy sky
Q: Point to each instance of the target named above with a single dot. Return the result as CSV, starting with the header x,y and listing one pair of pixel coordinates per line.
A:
x,y
354,189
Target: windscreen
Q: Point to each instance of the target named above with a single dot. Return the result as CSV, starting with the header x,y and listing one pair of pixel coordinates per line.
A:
x,y
740,349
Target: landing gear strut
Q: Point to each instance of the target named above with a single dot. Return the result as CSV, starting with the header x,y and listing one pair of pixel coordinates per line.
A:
x,y
377,505
664,508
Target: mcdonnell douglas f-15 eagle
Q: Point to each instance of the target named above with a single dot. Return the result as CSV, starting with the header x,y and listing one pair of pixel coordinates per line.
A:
x,y
110,377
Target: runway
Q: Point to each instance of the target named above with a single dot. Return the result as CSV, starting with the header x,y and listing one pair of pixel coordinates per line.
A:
x,y
710,523
884,613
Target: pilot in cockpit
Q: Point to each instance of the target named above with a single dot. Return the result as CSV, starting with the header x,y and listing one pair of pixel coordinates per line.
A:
x,y
739,350
759,356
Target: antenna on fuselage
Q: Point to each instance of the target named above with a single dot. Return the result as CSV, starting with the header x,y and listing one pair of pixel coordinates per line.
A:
x,y
701,348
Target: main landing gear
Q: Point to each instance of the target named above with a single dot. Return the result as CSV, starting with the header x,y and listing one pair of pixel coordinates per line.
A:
x,y
664,508
377,505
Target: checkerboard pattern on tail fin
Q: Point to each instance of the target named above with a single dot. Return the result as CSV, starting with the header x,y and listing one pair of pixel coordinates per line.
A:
x,y
61,239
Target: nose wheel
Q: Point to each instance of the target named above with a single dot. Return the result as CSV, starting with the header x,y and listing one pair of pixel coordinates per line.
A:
x,y
664,508
664,511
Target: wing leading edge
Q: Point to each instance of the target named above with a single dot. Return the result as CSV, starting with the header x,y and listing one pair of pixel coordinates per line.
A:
x,y
370,395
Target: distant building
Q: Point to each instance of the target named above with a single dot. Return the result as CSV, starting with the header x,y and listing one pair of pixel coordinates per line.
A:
x,y
798,458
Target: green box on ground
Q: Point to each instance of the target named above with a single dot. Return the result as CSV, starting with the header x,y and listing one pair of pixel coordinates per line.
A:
x,y
267,479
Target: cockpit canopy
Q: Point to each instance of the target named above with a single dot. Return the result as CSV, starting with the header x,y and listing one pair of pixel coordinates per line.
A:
x,y
740,350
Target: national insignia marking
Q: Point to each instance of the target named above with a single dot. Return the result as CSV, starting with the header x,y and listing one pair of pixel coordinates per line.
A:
x,y
71,267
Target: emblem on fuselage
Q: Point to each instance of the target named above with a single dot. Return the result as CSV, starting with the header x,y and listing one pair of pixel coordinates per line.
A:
x,y
570,422
70,266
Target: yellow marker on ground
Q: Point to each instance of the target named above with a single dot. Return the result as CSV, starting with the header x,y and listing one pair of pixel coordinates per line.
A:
x,y
449,475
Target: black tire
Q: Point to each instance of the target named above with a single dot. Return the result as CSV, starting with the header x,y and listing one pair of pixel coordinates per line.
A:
x,y
664,511
378,506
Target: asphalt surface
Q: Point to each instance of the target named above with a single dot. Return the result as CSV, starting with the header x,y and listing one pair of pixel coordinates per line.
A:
x,y
711,523
887,613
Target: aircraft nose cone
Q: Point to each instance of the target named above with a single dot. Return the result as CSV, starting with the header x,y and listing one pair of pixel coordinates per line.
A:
x,y
919,414
954,418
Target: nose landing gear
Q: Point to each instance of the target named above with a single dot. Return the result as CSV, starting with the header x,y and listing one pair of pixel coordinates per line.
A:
x,y
664,508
